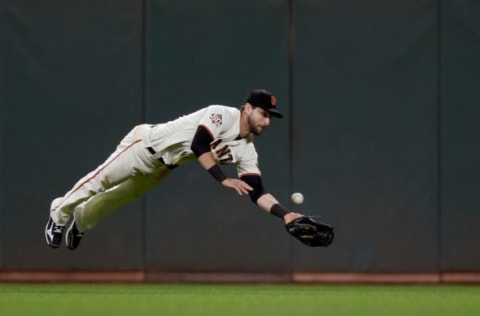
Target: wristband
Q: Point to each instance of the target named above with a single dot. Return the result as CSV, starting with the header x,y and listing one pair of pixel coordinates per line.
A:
x,y
217,173
278,210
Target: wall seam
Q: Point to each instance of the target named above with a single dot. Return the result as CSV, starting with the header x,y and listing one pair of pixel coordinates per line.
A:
x,y
291,51
143,79
439,136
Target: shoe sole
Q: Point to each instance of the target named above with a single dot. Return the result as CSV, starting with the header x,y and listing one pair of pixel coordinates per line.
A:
x,y
68,237
51,245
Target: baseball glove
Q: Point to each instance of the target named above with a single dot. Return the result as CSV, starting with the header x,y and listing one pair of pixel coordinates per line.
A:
x,y
310,232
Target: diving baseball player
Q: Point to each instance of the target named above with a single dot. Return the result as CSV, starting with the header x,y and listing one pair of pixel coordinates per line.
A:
x,y
213,135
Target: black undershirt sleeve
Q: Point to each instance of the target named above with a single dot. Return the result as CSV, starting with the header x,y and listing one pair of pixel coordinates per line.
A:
x,y
201,141
255,181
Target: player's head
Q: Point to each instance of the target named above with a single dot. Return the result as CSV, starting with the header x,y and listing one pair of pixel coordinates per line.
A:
x,y
259,107
263,99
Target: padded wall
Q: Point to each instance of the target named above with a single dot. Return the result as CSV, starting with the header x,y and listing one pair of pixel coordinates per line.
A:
x,y
365,132
380,102
460,149
215,52
71,87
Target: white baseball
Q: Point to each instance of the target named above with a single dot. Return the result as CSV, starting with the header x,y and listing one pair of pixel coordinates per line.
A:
x,y
297,198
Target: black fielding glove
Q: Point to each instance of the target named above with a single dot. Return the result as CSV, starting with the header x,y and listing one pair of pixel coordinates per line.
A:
x,y
311,232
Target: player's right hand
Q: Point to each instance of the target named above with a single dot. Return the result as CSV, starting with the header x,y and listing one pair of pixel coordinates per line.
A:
x,y
238,185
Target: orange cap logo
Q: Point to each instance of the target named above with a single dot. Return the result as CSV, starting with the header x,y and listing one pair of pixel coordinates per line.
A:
x,y
273,100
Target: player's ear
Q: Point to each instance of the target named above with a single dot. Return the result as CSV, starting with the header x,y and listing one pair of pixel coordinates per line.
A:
x,y
248,108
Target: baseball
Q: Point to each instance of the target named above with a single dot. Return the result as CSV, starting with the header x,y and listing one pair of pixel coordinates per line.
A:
x,y
297,198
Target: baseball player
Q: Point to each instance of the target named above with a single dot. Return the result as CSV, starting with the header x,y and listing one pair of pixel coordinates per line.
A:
x,y
148,154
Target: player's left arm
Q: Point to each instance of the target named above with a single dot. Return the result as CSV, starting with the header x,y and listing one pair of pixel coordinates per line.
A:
x,y
266,201
306,229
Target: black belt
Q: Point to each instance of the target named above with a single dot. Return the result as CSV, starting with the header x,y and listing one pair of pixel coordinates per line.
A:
x,y
153,152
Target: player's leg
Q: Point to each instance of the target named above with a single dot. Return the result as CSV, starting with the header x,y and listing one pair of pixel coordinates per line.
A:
x,y
91,212
129,156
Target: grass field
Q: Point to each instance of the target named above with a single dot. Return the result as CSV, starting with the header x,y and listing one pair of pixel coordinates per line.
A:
x,y
236,300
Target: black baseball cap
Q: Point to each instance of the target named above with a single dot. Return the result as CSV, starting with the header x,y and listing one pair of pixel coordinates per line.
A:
x,y
263,99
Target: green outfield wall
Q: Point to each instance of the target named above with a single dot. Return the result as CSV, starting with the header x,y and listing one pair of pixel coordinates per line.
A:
x,y
381,101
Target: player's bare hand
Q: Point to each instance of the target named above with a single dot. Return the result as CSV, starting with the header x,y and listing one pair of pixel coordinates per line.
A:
x,y
238,185
291,216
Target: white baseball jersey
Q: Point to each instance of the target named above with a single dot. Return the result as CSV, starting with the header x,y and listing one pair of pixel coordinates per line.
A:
x,y
172,140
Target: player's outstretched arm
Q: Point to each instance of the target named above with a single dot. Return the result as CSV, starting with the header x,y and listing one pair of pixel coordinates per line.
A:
x,y
267,201
304,228
270,204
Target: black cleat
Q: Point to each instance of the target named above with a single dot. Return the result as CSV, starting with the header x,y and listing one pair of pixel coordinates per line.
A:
x,y
53,233
73,236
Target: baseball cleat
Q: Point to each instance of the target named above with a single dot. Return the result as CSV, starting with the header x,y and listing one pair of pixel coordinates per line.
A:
x,y
53,233
73,236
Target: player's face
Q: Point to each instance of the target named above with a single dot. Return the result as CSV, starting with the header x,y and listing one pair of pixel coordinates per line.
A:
x,y
258,120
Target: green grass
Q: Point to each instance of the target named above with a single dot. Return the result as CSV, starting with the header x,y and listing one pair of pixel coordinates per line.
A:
x,y
236,300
